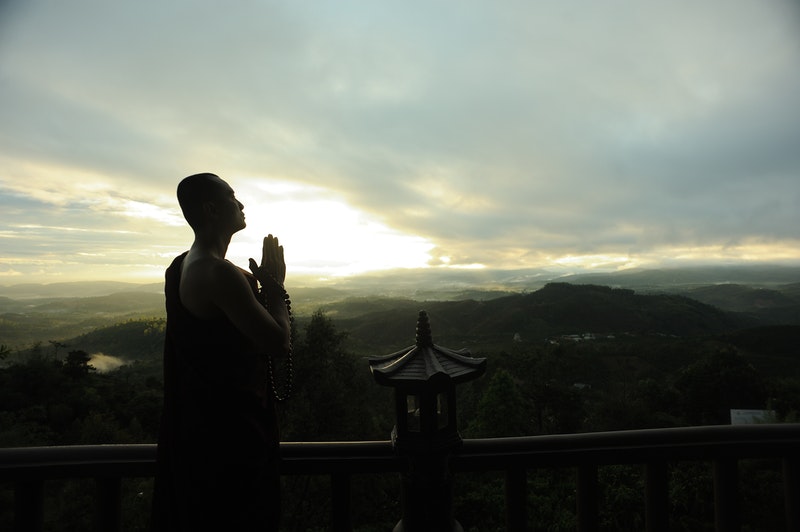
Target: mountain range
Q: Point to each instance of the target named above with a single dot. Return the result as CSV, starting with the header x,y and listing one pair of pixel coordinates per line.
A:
x,y
557,309
664,302
453,284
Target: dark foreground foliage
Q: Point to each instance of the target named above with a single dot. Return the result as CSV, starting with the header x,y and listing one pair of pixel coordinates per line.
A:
x,y
53,396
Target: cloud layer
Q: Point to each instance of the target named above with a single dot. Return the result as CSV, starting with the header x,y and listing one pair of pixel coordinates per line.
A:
x,y
507,134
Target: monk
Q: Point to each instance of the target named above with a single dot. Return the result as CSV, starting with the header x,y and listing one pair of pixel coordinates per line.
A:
x,y
218,443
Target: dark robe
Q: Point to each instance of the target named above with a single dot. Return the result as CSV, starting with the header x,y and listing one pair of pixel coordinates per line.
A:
x,y
218,443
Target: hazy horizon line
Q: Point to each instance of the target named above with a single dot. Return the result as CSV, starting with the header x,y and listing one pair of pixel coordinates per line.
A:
x,y
309,280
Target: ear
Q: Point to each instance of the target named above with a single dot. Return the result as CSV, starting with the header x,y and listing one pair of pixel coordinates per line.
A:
x,y
209,209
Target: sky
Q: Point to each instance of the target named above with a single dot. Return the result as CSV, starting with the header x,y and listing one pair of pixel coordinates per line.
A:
x,y
495,134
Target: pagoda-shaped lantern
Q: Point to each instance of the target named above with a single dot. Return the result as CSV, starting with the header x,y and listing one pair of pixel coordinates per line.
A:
x,y
424,377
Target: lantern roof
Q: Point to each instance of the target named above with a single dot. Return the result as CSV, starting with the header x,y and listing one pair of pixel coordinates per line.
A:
x,y
425,362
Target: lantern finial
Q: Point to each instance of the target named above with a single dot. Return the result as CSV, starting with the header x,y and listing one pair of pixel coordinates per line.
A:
x,y
424,335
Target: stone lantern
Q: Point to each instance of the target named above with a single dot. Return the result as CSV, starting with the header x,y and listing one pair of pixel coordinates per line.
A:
x,y
424,377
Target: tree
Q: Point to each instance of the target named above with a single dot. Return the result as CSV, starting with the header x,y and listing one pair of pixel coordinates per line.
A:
x,y
502,411
77,365
718,382
56,346
329,401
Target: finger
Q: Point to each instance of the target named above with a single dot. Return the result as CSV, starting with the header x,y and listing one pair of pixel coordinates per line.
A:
x,y
268,251
253,266
264,247
273,249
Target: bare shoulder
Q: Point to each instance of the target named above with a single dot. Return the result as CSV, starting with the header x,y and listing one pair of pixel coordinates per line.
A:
x,y
204,280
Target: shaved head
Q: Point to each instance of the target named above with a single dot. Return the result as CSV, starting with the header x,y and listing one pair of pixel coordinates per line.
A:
x,y
195,190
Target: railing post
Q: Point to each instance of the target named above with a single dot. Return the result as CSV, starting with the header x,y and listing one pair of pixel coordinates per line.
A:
x,y
108,512
726,495
340,502
791,492
587,498
516,499
29,505
656,497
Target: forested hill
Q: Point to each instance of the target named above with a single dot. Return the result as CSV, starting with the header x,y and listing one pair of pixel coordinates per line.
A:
x,y
673,361
374,324
557,309
24,322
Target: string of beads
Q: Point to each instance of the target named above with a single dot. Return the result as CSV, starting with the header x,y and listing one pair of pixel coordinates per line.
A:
x,y
288,370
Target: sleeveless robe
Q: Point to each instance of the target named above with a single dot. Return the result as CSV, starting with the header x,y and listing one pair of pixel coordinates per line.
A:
x,y
218,442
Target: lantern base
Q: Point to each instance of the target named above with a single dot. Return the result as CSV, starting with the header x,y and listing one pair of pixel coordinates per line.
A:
x,y
400,527
414,443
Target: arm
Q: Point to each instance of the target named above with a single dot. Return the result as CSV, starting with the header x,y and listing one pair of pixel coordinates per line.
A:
x,y
231,293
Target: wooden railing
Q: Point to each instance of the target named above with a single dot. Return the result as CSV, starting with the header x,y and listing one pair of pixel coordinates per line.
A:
x,y
723,446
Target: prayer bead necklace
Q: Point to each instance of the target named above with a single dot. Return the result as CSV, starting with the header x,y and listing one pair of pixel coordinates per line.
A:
x,y
287,388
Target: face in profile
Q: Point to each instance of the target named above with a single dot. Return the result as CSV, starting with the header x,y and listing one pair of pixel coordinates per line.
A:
x,y
229,210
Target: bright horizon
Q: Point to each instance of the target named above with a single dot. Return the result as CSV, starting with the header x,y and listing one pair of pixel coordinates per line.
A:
x,y
376,137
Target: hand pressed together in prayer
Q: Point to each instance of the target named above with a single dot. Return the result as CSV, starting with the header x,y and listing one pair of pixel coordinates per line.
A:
x,y
273,265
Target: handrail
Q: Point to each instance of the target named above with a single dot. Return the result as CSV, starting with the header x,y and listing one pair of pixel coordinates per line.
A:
x,y
721,445
78,461
628,446
631,446
138,460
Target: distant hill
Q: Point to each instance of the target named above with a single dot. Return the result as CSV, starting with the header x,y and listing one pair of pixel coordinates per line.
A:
x,y
25,321
113,304
121,303
76,289
379,325
792,290
556,309
435,284
489,319
779,305
138,339
672,279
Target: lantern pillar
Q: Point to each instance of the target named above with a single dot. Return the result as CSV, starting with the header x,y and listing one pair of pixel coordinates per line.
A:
x,y
426,433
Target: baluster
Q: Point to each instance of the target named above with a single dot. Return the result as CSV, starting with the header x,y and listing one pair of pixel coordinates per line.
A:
x,y
791,490
340,502
726,495
108,514
656,497
587,498
516,499
29,505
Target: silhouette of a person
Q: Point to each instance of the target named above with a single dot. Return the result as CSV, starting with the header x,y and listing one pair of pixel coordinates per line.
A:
x,y
218,442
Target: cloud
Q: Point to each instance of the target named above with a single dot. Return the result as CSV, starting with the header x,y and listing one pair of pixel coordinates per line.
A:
x,y
105,363
505,136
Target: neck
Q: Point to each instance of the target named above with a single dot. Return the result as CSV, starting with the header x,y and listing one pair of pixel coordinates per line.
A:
x,y
213,244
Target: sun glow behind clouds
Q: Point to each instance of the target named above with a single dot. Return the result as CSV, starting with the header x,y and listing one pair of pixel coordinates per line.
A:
x,y
323,235
779,252
595,262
